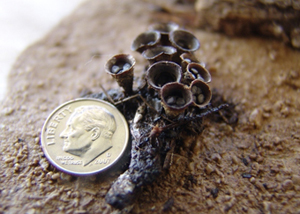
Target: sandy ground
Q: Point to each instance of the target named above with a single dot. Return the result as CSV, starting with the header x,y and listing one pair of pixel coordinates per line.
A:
x,y
250,167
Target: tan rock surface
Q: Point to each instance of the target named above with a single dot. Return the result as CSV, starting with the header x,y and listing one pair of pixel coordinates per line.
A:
x,y
252,167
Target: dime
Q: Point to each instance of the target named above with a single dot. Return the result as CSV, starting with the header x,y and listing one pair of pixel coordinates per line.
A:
x,y
85,136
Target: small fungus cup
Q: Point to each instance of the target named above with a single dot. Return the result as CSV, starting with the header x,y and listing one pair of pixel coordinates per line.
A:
x,y
201,93
145,40
184,41
121,67
159,53
197,71
187,58
175,98
161,73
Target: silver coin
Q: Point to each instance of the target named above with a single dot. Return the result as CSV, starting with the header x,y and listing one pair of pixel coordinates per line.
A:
x,y
85,136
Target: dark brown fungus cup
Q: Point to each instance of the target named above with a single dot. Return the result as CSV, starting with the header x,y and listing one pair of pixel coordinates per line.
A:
x,y
198,71
201,93
175,98
164,29
159,53
121,67
184,41
145,40
161,73
187,58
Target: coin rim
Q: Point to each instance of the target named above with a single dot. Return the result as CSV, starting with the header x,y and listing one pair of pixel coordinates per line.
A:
x,y
49,158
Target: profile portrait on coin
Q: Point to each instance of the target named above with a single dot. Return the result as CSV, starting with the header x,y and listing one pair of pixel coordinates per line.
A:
x,y
88,132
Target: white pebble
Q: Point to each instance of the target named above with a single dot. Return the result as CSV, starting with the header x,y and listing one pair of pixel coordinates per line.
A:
x,y
180,101
200,98
115,69
194,89
126,66
171,100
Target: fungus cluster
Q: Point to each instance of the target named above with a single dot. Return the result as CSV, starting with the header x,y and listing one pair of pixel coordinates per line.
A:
x,y
174,74
170,107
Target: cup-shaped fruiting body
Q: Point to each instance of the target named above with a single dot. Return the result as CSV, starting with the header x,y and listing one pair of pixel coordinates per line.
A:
x,y
184,41
159,53
120,67
201,93
175,98
197,71
161,73
187,58
164,29
145,40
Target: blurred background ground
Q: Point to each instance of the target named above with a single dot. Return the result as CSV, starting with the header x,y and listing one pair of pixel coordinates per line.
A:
x,y
24,22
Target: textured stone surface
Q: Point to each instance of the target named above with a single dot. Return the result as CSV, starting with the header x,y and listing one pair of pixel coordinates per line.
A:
x,y
252,167
270,18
